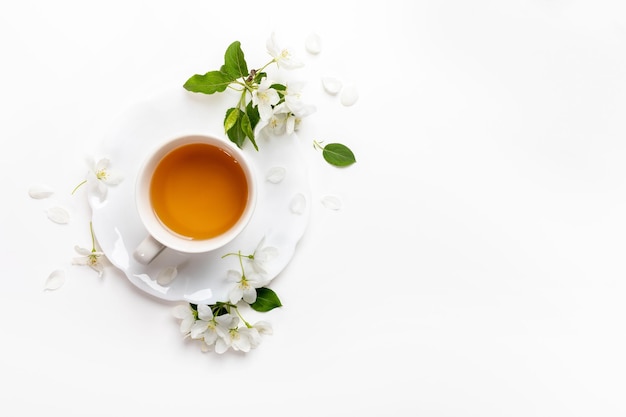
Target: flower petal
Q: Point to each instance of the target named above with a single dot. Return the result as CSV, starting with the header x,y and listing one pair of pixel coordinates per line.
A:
x,y
349,95
331,85
181,311
58,215
298,204
331,202
275,175
313,44
55,280
40,191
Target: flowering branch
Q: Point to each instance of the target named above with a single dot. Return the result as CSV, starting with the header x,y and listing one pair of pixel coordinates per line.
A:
x,y
264,106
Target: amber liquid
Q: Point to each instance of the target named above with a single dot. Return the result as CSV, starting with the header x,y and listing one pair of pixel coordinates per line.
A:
x,y
198,191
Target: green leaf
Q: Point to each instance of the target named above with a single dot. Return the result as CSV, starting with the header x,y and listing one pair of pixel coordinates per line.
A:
x,y
338,155
235,133
253,114
266,300
209,83
246,128
235,62
232,115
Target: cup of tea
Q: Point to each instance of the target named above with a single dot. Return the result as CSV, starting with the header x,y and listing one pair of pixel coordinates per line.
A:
x,y
194,194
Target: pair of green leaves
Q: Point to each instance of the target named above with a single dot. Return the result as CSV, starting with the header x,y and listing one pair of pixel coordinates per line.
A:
x,y
239,122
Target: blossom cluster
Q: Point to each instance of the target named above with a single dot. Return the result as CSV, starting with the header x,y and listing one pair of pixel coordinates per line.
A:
x,y
219,332
218,326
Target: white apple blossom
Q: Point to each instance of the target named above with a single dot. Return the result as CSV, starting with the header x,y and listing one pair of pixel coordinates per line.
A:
x,y
100,176
226,324
185,313
265,97
237,338
293,107
90,258
245,286
259,329
283,57
275,125
205,327
262,254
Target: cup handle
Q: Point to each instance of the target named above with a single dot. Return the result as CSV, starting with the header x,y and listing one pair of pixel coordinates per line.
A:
x,y
147,250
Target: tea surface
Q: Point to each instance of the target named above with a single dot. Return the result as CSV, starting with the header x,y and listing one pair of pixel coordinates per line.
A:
x,y
198,191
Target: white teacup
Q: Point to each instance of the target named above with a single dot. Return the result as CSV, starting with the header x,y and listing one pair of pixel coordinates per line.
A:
x,y
194,194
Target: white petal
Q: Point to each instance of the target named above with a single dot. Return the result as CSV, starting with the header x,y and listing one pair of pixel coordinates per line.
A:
x,y
113,178
58,215
275,175
102,164
298,204
181,311
167,275
82,251
331,85
313,44
204,312
55,280
349,95
40,191
331,202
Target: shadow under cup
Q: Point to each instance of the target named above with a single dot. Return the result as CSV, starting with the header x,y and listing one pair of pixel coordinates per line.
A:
x,y
194,194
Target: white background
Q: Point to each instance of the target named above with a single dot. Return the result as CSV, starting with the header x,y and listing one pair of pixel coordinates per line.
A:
x,y
476,267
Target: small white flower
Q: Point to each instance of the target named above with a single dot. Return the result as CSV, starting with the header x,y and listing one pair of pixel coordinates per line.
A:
x,y
261,256
259,329
245,286
235,337
185,313
294,108
225,324
205,328
282,56
275,125
100,176
90,258
263,327
265,98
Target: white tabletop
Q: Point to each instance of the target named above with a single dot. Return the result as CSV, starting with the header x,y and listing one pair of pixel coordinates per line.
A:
x,y
474,268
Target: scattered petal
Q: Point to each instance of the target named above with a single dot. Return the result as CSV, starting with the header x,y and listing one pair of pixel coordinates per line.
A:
x,y
313,44
58,215
276,175
331,202
298,204
40,191
55,280
331,85
167,275
349,95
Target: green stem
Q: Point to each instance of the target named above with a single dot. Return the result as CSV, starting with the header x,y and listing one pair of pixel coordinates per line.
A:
x,y
266,65
78,186
93,237
318,145
244,320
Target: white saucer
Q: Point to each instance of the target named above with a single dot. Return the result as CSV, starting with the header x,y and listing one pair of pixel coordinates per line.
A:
x,y
280,218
